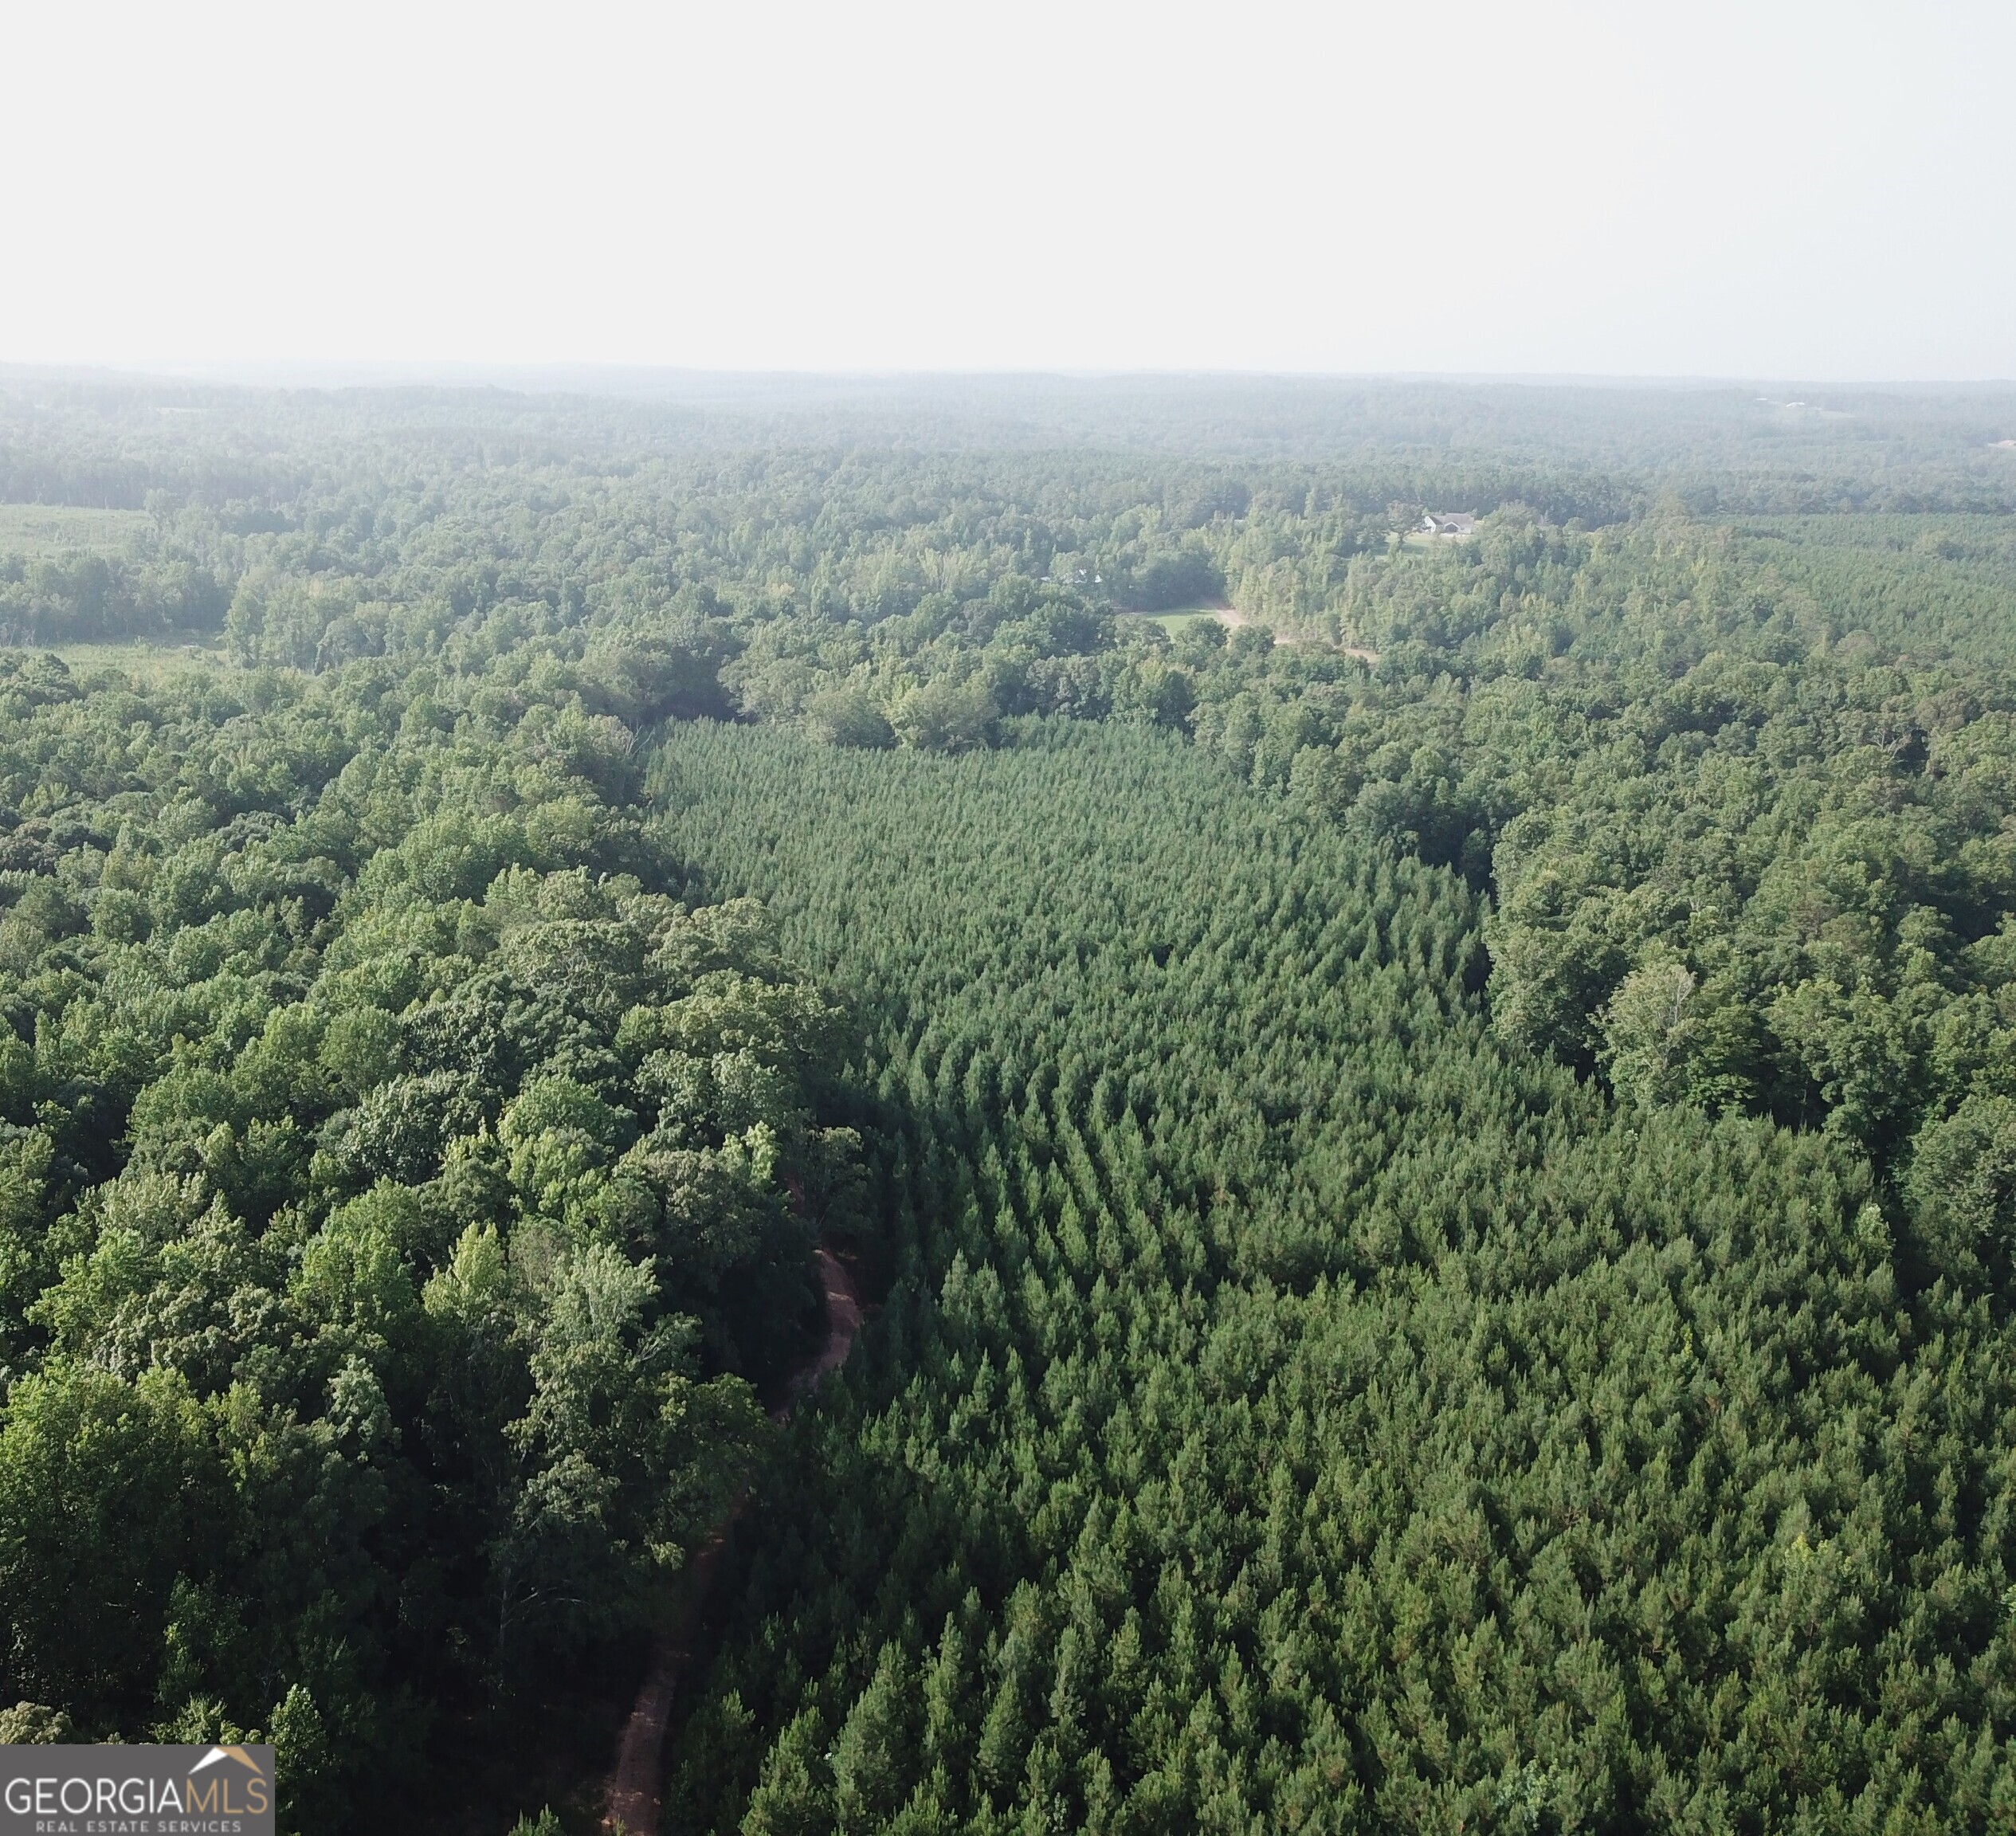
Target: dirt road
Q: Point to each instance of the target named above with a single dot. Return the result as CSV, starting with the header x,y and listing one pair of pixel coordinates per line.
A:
x,y
843,1321
635,1787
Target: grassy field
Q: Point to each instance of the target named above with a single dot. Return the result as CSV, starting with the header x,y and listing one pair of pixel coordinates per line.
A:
x,y
145,662
47,529
1174,621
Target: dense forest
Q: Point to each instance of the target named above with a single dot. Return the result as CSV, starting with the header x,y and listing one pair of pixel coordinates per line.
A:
x,y
1430,1124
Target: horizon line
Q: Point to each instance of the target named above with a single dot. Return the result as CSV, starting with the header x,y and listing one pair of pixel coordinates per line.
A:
x,y
527,376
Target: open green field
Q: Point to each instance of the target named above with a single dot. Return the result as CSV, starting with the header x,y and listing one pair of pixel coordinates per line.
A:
x,y
145,662
1173,622
1231,618
42,529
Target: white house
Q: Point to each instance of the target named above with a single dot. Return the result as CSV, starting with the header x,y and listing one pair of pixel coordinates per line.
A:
x,y
1448,522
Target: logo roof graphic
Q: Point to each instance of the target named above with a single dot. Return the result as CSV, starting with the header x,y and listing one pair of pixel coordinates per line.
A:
x,y
237,1753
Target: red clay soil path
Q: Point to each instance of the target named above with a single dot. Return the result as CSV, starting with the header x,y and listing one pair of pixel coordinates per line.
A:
x,y
634,1788
843,1321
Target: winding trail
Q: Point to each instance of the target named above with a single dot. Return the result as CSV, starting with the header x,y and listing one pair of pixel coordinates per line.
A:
x,y
635,1794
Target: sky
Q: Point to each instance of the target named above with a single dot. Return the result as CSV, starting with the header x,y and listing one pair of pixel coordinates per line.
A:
x,y
1774,189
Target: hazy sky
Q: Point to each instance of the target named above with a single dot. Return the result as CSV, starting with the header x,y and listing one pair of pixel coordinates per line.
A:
x,y
1805,190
